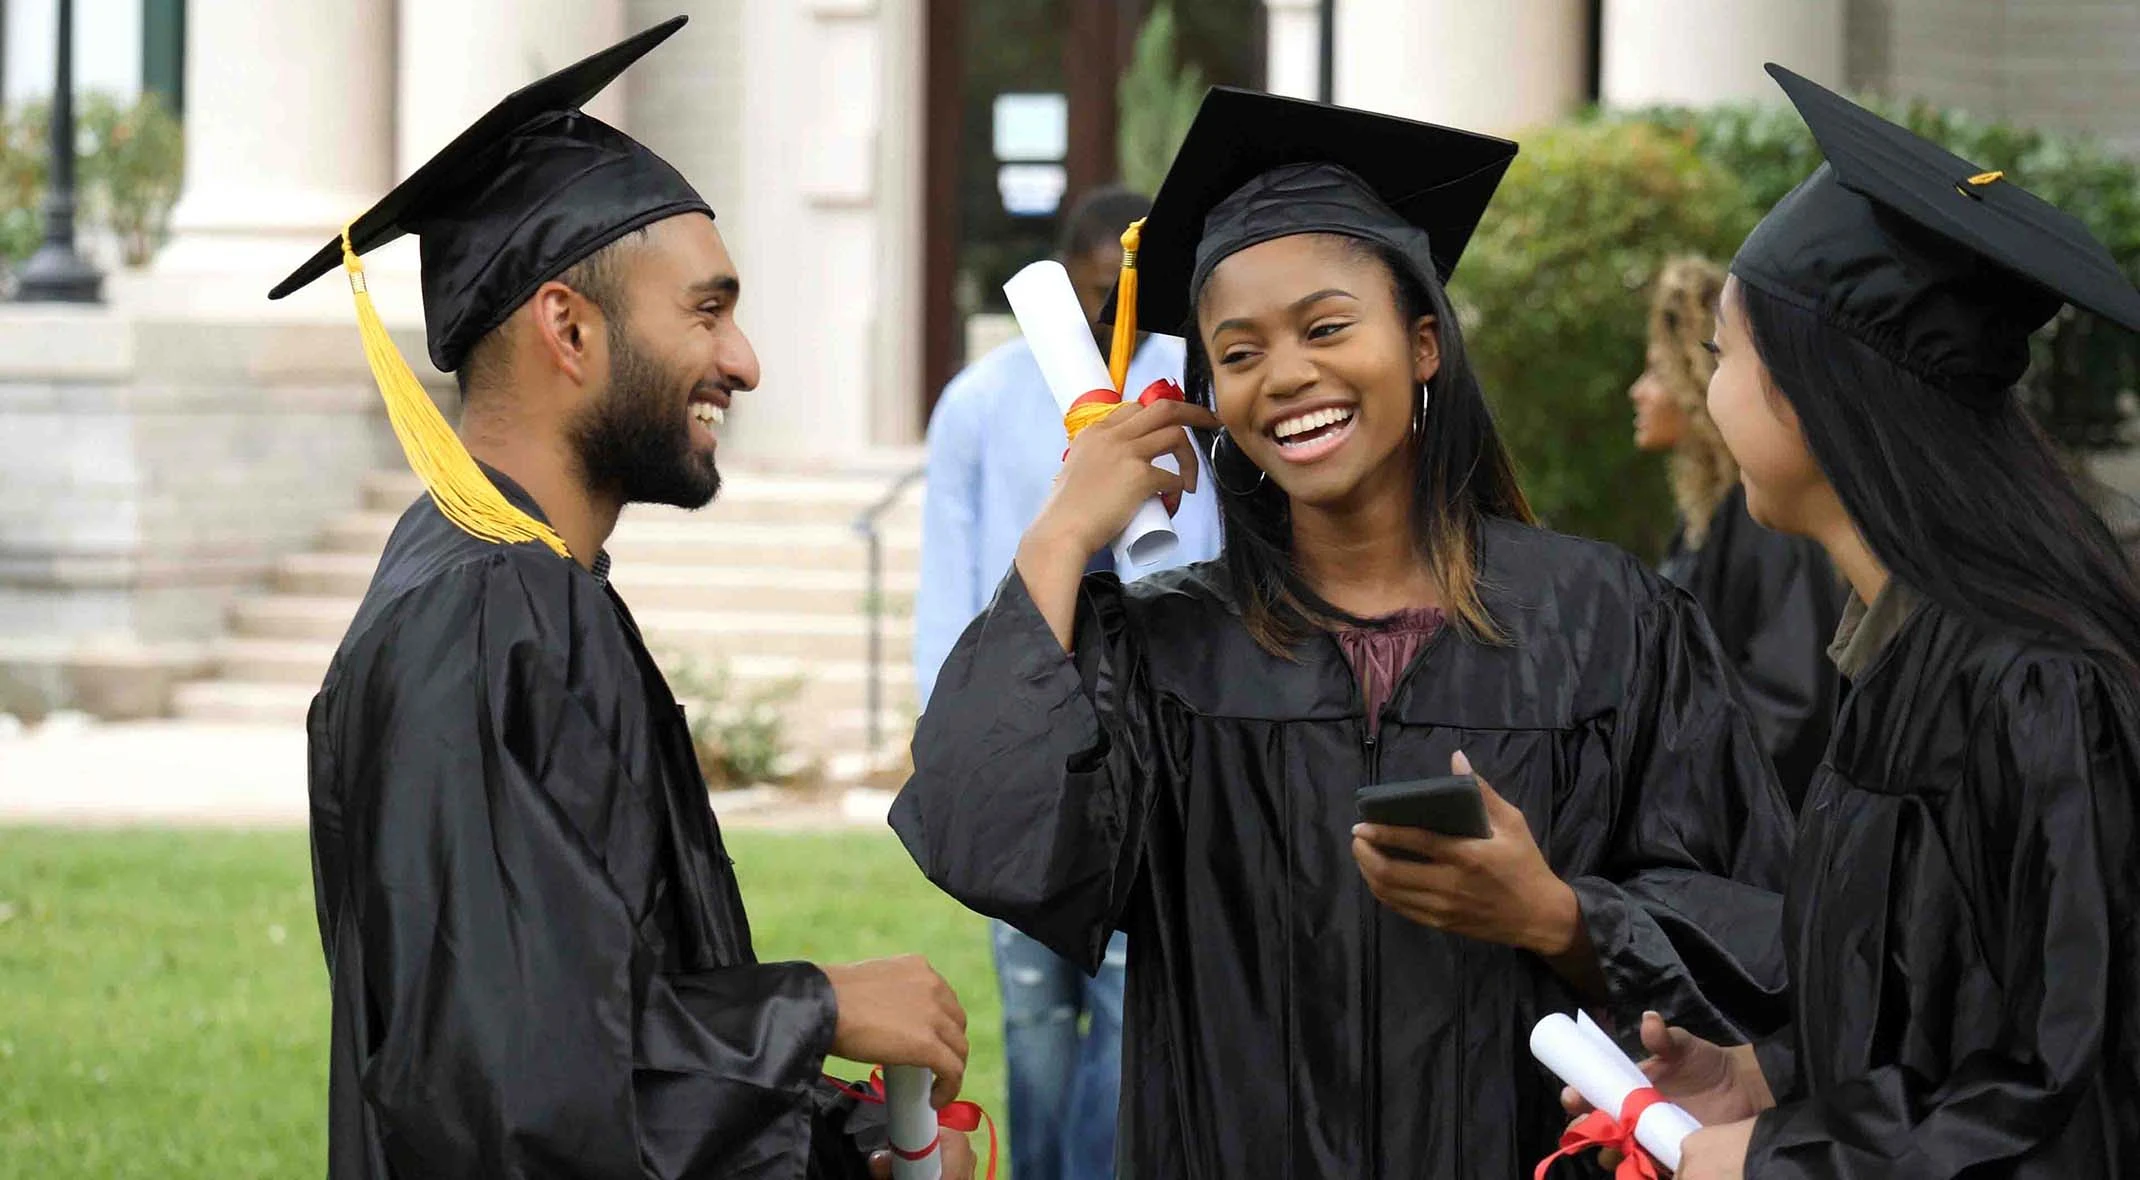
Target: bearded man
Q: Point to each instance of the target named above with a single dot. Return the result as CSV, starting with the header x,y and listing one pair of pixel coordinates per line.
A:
x,y
537,949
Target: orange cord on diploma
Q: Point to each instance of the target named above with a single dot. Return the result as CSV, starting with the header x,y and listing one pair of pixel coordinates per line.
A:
x,y
1096,404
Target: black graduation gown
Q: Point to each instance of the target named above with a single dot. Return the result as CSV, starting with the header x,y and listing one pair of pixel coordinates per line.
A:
x,y
1773,600
1177,781
1961,925
539,958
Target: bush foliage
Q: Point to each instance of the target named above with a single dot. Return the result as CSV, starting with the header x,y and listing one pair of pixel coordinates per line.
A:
x,y
1554,288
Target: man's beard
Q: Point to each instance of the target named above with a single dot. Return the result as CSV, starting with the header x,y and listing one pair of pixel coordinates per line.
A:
x,y
635,442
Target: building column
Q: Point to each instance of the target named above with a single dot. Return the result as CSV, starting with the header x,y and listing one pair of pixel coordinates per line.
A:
x,y
817,284
457,58
289,134
1293,43
895,385
1496,68
1702,52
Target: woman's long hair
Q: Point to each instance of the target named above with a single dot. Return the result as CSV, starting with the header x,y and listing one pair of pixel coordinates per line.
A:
x,y
1682,321
1960,496
1461,476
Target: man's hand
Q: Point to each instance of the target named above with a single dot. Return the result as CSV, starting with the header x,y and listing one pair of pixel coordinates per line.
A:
x,y
901,1012
956,1153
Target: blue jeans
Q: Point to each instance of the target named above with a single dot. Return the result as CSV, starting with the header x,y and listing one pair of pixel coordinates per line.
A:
x,y
1063,1082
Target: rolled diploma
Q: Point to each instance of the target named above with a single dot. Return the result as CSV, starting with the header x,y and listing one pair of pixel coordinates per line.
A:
x,y
912,1121
1060,336
1580,1054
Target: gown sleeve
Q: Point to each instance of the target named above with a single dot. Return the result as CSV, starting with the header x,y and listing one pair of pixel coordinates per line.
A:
x,y
2057,773
517,1024
1685,910
1790,602
1034,772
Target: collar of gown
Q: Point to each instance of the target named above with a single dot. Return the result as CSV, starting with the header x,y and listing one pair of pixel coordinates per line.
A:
x,y
1866,631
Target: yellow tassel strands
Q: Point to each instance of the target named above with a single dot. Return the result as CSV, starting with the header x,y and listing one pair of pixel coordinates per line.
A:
x,y
449,473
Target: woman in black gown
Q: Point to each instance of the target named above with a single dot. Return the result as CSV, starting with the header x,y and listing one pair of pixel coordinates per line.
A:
x,y
1961,923
1773,599
1178,757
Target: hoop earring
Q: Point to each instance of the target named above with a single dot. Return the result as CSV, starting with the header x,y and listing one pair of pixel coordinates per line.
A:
x,y
1261,474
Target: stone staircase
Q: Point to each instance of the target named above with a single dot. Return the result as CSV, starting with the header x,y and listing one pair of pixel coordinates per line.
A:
x,y
771,582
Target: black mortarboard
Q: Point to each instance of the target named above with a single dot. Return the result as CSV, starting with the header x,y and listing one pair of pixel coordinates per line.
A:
x,y
1939,266
1254,167
531,188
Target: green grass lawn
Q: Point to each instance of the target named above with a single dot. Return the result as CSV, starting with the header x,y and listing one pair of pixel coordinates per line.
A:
x,y
163,1002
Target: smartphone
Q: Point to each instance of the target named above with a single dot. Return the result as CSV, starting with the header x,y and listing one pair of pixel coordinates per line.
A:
x,y
1450,805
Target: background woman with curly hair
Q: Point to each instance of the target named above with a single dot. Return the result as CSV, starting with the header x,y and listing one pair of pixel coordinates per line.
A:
x,y
1773,600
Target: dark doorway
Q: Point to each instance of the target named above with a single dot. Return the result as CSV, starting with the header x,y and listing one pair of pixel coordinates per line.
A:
x,y
1022,121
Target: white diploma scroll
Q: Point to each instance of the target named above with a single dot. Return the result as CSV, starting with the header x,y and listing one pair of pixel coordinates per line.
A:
x,y
1580,1054
1060,336
912,1122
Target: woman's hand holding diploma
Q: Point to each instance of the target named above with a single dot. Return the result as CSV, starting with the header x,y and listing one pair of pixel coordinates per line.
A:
x,y
1722,1087
1709,1081
1107,476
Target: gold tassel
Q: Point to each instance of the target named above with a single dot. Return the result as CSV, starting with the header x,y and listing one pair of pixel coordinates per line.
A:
x,y
1125,342
449,473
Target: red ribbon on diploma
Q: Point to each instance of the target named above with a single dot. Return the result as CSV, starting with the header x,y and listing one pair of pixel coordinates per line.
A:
x,y
963,1117
1599,1129
1095,404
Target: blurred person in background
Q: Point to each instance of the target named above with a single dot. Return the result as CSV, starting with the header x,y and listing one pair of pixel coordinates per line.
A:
x,y
1772,599
995,445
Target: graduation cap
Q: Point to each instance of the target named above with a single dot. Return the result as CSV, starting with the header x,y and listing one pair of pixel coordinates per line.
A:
x,y
1255,167
1929,260
530,189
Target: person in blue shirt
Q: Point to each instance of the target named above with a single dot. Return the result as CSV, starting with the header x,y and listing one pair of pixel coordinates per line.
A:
x,y
995,444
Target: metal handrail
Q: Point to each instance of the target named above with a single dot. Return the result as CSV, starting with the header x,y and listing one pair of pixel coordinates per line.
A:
x,y
865,524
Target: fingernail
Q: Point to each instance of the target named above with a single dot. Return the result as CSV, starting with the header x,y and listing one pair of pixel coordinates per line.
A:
x,y
1359,829
1461,762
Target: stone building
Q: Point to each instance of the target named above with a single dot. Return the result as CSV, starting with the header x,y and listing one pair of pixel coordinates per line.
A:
x,y
168,454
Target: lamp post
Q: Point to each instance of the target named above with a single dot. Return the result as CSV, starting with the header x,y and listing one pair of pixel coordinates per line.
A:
x,y
56,273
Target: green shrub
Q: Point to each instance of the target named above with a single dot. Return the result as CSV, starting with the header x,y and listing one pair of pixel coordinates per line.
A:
x,y
1553,290
739,736
133,162
1553,294
128,171
1156,100
2085,370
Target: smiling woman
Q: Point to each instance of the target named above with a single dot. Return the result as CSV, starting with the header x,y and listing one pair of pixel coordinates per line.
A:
x,y
1358,367
1179,757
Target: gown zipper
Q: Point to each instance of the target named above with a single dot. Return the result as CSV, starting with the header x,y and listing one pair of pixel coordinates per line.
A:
x,y
1370,914
1371,991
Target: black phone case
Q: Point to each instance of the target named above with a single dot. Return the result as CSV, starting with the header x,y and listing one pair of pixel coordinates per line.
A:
x,y
1451,805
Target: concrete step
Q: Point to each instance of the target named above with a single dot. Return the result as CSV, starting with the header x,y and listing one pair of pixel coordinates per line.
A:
x,y
825,634
820,684
761,588
713,634
689,541
246,703
333,575
746,498
291,616
647,587
810,731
